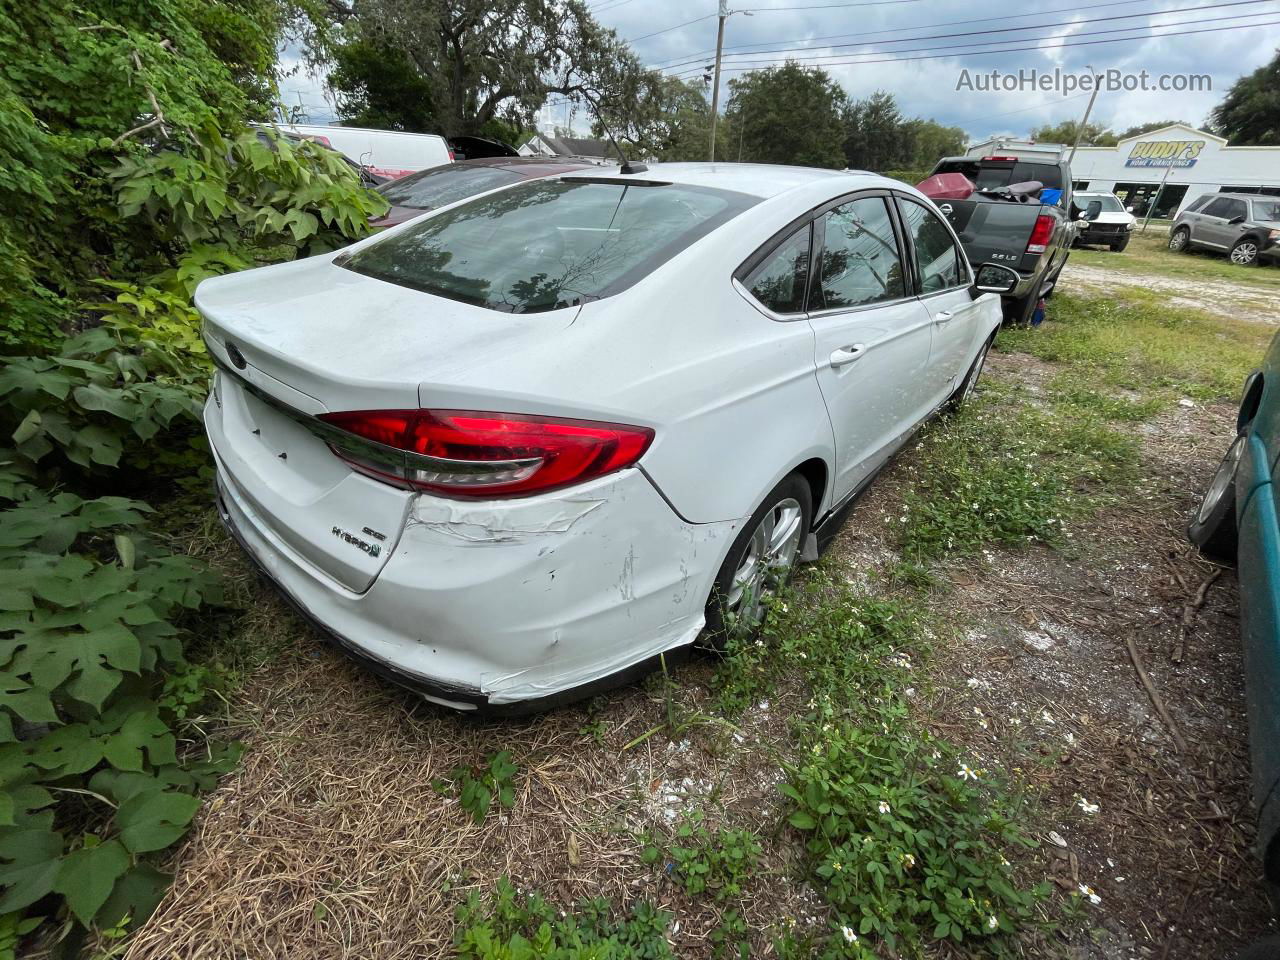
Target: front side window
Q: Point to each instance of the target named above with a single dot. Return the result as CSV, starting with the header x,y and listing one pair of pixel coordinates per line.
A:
x,y
1236,208
779,282
936,253
442,186
546,244
1218,208
860,261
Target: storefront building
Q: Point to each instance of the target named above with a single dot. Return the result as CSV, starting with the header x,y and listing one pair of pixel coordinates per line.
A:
x,y
1164,170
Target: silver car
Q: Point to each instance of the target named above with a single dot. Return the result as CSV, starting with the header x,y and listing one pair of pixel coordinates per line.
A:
x,y
1245,225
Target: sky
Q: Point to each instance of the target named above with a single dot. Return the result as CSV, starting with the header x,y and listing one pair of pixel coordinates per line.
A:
x,y
867,46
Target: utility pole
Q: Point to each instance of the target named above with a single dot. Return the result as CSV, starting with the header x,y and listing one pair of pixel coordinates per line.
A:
x,y
715,84
1087,110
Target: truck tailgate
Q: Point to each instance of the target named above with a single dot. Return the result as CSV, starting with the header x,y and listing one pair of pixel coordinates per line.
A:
x,y
993,231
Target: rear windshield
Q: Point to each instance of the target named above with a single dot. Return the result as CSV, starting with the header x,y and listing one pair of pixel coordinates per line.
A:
x,y
444,185
991,174
546,244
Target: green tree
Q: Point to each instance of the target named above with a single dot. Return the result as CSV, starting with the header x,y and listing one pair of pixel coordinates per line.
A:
x,y
478,60
788,114
1065,132
1249,115
877,136
932,141
1141,128
668,119
378,86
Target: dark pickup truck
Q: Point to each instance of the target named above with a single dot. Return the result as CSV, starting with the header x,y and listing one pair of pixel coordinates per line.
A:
x,y
1029,232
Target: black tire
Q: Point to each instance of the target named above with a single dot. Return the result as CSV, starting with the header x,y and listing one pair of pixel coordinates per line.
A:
x,y
1119,245
721,618
1265,949
1180,240
970,381
1213,525
1245,252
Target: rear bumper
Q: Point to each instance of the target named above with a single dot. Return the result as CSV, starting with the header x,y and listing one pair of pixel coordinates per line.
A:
x,y
512,606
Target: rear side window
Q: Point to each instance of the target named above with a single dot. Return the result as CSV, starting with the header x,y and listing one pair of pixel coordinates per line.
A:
x,y
1218,208
1198,202
779,282
860,262
444,185
546,244
936,253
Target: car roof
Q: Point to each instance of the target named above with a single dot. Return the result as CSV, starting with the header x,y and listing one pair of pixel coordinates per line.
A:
x,y
1244,196
761,180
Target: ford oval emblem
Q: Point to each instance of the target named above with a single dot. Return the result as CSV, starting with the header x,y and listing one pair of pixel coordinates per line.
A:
x,y
237,358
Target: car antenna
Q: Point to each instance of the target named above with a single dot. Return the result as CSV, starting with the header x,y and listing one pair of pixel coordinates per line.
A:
x,y
627,166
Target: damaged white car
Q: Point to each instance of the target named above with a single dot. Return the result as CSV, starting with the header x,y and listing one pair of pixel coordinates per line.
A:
x,y
513,451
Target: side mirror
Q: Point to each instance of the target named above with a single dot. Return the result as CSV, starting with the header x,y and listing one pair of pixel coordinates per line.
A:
x,y
1128,209
1235,220
995,278
1093,210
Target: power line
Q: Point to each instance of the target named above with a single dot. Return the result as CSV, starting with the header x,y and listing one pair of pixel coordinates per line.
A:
x,y
976,33
698,55
1037,46
608,5
669,29
823,6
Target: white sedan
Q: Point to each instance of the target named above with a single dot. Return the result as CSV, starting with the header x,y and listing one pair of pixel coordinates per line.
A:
x,y
515,450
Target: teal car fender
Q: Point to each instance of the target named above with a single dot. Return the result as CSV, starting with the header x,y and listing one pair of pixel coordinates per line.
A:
x,y
1258,564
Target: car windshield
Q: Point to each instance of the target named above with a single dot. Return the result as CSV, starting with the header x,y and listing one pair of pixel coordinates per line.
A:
x,y
1266,210
546,244
1110,204
441,186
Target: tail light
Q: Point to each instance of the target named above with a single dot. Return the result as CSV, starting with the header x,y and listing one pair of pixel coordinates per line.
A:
x,y
461,453
1041,234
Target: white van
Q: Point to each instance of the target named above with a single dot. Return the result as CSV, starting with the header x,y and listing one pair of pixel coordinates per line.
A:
x,y
387,153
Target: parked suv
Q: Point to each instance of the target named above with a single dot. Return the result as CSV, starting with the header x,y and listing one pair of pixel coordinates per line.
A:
x,y
1246,225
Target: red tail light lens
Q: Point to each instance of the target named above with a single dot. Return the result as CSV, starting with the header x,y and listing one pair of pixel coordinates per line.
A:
x,y
1041,234
462,453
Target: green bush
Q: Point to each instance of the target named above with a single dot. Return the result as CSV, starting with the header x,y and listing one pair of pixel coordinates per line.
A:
x,y
91,777
719,862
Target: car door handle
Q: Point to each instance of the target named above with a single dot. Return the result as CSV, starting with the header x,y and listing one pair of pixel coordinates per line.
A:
x,y
847,354
942,316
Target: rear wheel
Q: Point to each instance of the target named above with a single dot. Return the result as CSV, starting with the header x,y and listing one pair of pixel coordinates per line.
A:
x,y
1213,525
758,563
1245,252
1180,240
1018,312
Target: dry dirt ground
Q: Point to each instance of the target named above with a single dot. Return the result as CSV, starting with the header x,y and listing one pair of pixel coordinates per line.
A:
x,y
1219,297
330,840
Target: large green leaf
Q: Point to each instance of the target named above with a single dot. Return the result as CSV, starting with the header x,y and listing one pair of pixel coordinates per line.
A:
x,y
152,821
87,876
31,862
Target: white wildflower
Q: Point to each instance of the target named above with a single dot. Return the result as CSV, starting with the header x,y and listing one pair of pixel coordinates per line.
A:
x,y
992,922
1087,807
966,772
848,934
884,807
1086,891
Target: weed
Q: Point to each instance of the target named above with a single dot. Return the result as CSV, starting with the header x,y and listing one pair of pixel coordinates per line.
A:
x,y
719,862
519,926
729,938
478,786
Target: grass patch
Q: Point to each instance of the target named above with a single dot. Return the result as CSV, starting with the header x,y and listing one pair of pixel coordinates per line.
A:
x,y
1003,471
1148,254
512,925
1134,341
718,862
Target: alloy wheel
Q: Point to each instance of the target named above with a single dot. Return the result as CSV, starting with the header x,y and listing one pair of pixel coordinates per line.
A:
x,y
1178,241
971,384
1244,252
1222,480
768,558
